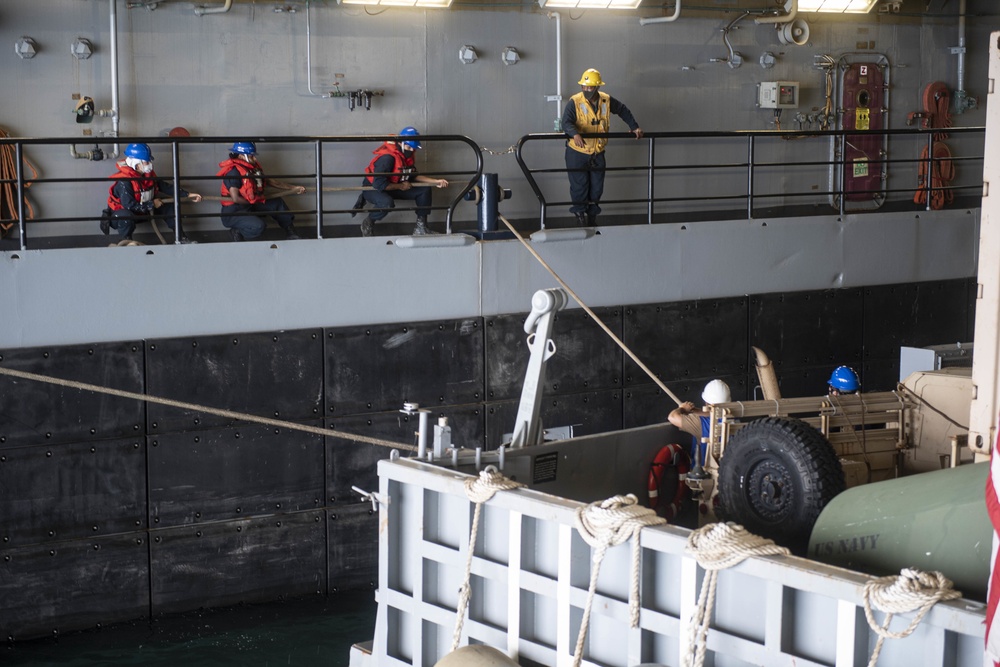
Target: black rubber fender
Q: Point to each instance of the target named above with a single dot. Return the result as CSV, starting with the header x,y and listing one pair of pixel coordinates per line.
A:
x,y
775,477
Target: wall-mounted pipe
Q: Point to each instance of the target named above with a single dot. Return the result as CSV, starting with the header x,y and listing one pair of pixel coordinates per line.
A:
x,y
664,19
309,69
201,10
115,114
557,98
791,9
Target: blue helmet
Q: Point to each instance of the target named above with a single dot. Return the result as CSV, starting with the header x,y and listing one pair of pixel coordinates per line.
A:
x,y
410,131
244,148
139,152
844,379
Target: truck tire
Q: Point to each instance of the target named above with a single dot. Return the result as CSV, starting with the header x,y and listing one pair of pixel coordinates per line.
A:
x,y
775,477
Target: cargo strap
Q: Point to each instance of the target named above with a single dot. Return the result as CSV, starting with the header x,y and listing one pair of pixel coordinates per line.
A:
x,y
909,591
606,524
717,546
479,490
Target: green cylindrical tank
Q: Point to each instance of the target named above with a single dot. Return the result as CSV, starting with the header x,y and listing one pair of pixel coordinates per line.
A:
x,y
931,521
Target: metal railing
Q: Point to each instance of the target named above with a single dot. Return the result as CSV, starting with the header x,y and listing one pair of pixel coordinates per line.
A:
x,y
745,173
736,155
178,145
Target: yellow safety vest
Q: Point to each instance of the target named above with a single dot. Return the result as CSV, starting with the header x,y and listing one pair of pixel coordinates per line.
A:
x,y
585,117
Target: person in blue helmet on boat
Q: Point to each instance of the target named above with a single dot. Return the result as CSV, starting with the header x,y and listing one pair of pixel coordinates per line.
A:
x,y
687,418
843,380
392,175
244,204
137,195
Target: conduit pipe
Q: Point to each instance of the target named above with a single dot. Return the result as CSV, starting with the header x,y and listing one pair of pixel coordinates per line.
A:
x,y
202,10
664,19
114,73
791,9
309,69
557,98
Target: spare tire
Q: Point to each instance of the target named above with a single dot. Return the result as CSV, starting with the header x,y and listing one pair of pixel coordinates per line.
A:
x,y
775,477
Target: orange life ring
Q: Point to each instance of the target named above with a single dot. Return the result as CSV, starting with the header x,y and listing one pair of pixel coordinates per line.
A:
x,y
670,456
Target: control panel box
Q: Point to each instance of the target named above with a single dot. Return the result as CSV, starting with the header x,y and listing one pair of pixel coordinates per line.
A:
x,y
778,95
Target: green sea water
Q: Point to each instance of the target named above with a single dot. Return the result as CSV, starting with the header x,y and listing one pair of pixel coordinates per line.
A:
x,y
301,632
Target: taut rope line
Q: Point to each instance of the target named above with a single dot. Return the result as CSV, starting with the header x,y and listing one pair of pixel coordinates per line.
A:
x,y
593,316
267,421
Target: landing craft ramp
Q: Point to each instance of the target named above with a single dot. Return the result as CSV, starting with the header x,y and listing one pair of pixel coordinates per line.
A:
x,y
530,571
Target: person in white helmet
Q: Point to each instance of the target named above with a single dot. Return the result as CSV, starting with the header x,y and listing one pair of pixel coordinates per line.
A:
x,y
688,419
589,111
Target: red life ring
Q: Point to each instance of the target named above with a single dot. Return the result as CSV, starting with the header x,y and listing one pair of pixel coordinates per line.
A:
x,y
670,456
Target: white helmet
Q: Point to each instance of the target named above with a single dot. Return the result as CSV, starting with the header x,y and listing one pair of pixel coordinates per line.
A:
x,y
715,392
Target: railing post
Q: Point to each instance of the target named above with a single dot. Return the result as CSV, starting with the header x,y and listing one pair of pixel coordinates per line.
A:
x,y
22,228
929,180
176,166
750,157
841,165
649,187
319,188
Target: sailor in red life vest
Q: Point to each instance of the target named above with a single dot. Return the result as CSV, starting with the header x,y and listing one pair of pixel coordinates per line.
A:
x,y
589,111
391,174
243,202
137,194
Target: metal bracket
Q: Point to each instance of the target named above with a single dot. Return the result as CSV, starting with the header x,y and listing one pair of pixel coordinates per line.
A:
x,y
375,498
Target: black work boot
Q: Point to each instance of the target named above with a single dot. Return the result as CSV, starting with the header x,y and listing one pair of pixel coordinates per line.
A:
x,y
581,220
421,228
367,226
235,233
591,219
290,233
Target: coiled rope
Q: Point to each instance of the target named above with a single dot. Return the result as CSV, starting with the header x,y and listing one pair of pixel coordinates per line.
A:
x,y
936,170
717,546
606,524
8,190
479,490
229,414
909,591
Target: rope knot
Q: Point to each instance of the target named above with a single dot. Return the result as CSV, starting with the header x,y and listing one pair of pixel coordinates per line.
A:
x,y
909,591
717,546
481,489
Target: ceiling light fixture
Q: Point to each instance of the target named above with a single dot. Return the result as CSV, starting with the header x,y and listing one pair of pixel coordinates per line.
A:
x,y
837,6
590,4
420,4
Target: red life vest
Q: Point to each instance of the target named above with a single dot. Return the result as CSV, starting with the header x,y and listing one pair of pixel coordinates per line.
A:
x,y
252,188
402,168
143,189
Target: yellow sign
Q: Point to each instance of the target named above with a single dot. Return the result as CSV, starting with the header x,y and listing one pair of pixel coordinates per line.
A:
x,y
862,119
860,167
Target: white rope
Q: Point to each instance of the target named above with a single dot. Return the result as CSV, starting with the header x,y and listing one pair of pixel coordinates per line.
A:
x,y
909,591
718,546
479,490
606,524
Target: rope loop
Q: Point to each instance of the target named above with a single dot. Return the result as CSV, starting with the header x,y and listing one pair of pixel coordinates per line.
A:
x,y
717,546
481,489
606,524
909,591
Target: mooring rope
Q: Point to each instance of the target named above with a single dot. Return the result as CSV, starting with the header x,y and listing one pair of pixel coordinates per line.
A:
x,y
593,316
479,490
717,546
229,414
606,524
909,591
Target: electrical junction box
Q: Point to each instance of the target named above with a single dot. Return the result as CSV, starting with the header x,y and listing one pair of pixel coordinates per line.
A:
x,y
778,95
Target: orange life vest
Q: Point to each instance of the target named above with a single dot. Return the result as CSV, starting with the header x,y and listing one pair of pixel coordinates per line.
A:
x,y
402,167
252,188
144,188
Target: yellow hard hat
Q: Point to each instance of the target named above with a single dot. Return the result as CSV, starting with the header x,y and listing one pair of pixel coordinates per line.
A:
x,y
591,78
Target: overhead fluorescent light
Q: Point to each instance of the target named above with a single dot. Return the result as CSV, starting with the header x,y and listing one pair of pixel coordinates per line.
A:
x,y
437,4
837,6
590,4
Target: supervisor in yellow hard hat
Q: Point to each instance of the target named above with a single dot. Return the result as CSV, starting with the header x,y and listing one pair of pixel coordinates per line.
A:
x,y
589,112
